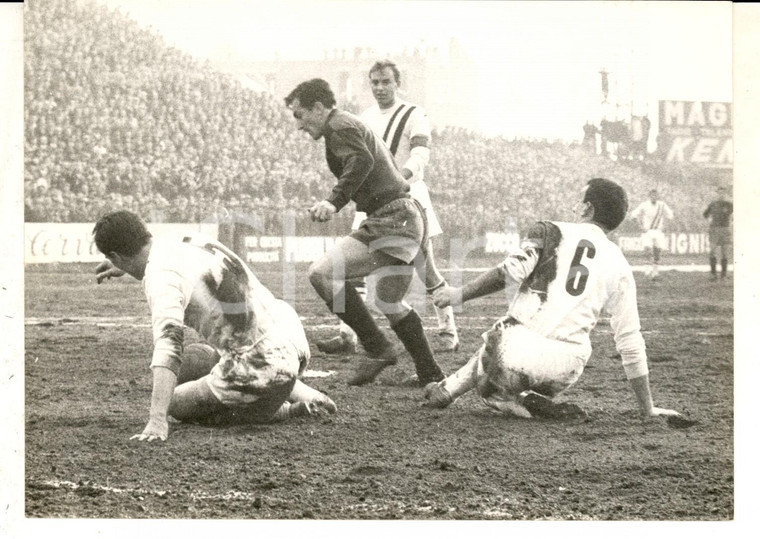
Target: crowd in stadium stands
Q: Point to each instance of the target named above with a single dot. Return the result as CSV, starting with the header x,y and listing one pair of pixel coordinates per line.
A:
x,y
115,118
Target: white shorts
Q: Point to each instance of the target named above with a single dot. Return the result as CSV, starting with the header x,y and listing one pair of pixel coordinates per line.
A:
x,y
653,238
515,359
246,374
419,192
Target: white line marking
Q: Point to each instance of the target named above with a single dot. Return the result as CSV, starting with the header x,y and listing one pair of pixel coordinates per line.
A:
x,y
361,508
229,495
485,321
643,268
308,373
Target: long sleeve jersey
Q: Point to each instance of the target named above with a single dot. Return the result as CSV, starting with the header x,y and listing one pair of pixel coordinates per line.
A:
x,y
569,273
719,212
197,282
397,126
362,163
652,215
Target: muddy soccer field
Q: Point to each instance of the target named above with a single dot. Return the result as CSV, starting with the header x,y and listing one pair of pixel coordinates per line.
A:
x,y
382,456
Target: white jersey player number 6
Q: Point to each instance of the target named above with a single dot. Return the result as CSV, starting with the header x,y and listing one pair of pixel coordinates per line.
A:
x,y
578,274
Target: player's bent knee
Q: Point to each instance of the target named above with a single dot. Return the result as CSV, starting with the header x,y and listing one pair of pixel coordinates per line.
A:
x,y
319,277
262,410
319,269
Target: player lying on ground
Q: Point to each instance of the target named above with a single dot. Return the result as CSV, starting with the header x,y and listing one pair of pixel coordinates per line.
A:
x,y
258,347
568,273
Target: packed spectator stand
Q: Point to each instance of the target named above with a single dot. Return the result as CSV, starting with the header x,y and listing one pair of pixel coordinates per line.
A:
x,y
116,118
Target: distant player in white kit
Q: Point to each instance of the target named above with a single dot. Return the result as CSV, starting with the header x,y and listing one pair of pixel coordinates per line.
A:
x,y
568,274
651,215
256,347
405,129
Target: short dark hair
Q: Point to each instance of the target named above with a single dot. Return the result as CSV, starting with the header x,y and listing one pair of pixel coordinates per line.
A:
x,y
310,92
609,201
120,231
382,64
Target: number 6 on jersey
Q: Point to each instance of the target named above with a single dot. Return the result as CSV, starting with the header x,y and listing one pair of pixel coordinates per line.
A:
x,y
578,274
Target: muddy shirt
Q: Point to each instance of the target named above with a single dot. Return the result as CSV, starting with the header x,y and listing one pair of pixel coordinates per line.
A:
x,y
198,282
569,273
362,163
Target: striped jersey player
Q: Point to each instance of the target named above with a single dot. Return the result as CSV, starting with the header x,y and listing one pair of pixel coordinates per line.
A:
x,y
255,345
568,275
405,128
651,216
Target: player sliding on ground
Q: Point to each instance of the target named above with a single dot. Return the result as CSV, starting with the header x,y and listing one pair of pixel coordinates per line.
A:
x,y
247,373
568,273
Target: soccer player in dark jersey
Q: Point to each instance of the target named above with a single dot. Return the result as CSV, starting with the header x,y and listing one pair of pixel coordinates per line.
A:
x,y
405,128
719,212
388,242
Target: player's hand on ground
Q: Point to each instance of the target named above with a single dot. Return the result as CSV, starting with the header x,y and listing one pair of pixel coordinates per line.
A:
x,y
322,211
105,270
322,406
157,429
445,296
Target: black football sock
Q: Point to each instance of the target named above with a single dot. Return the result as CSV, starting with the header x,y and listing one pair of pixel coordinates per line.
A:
x,y
713,264
358,318
412,335
723,266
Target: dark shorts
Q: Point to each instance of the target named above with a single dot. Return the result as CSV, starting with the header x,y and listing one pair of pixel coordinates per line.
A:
x,y
398,229
720,236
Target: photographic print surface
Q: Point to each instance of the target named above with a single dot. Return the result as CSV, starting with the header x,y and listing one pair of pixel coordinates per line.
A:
x,y
176,112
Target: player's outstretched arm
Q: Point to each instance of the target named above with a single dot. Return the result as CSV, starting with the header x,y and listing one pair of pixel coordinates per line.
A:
x,y
486,283
105,270
164,382
647,408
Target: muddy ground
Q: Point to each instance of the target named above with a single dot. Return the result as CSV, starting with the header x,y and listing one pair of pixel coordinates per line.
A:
x,y
382,456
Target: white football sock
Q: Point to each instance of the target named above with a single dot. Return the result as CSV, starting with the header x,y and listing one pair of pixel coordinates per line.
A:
x,y
446,320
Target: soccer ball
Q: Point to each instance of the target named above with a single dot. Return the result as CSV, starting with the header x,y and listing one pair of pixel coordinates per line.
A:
x,y
197,361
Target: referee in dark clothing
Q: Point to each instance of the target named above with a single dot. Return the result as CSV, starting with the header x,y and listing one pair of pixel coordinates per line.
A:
x,y
388,241
719,212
